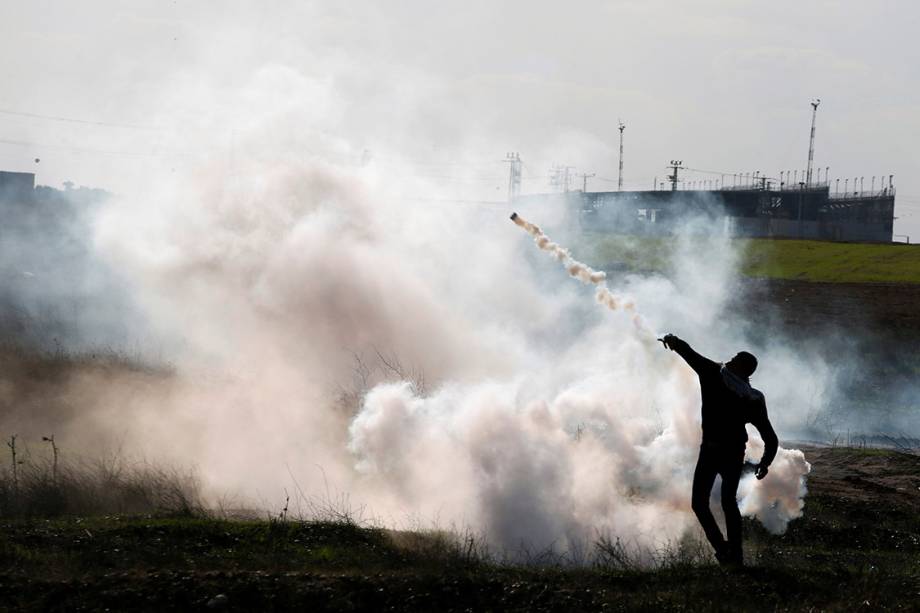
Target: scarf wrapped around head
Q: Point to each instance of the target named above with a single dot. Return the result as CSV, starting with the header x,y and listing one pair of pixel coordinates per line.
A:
x,y
740,387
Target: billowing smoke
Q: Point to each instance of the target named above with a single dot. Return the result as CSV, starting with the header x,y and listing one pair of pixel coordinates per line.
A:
x,y
335,326
606,446
329,334
780,497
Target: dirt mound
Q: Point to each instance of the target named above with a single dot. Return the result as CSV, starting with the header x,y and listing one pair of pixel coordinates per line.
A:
x,y
889,478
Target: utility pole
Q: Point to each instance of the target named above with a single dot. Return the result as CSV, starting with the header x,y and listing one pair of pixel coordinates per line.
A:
x,y
801,192
584,181
555,177
811,142
674,166
622,127
559,177
514,175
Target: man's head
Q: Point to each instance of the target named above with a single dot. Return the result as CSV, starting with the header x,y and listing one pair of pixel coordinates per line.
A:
x,y
743,364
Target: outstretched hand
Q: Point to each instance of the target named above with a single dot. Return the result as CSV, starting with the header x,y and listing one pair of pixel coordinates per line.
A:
x,y
668,340
761,472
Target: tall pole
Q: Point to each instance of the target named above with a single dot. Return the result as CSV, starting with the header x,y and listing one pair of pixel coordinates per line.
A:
x,y
514,175
622,127
811,142
584,181
675,166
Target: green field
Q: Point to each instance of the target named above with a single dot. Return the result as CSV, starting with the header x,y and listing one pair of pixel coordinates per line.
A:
x,y
856,547
800,260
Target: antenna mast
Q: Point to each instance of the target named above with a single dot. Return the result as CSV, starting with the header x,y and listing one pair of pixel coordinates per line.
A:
x,y
622,127
514,175
811,142
675,166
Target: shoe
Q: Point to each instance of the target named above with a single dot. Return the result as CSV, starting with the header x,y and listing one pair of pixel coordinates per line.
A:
x,y
723,557
728,558
734,559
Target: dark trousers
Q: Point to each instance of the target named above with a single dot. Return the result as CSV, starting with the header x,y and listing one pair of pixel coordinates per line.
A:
x,y
727,462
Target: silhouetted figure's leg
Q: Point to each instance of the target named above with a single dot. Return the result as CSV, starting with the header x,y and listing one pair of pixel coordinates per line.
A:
x,y
703,478
731,474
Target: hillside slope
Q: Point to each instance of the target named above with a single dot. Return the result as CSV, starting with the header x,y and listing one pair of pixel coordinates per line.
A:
x,y
799,260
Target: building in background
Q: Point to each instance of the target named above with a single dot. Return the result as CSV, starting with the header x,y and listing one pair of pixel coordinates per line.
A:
x,y
16,186
756,212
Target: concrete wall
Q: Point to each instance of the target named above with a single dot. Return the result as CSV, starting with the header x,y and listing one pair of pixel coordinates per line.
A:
x,y
16,186
758,227
743,213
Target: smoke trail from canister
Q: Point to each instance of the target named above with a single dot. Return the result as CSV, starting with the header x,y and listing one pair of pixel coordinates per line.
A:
x,y
576,269
582,272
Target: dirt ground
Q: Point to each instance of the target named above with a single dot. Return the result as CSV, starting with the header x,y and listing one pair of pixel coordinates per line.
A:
x,y
868,332
866,475
885,310
857,547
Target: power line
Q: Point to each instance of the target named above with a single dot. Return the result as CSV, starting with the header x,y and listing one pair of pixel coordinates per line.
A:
x,y
22,143
81,121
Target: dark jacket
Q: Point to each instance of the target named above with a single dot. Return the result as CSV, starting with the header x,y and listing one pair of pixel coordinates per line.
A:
x,y
725,412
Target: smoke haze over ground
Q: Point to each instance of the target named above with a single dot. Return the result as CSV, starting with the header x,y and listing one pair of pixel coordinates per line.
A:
x,y
530,415
335,318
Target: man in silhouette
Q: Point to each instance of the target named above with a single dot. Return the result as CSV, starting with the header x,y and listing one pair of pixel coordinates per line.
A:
x,y
729,402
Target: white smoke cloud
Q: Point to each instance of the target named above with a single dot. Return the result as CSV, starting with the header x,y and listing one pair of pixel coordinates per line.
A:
x,y
273,269
534,417
780,496
550,460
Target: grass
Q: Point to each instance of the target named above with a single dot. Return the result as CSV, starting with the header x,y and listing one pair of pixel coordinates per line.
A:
x,y
122,536
855,550
766,258
96,488
832,262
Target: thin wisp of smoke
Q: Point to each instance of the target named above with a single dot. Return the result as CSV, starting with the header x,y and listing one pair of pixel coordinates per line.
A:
x,y
573,267
583,273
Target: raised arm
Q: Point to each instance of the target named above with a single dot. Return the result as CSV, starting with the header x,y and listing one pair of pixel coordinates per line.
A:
x,y
697,362
763,425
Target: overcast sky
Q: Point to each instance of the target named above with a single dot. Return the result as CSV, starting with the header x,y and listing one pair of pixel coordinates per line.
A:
x,y
447,88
